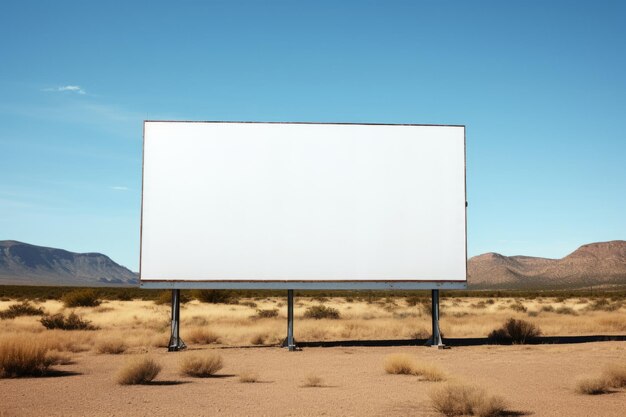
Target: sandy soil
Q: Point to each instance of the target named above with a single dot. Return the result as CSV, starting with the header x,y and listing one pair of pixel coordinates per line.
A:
x,y
535,380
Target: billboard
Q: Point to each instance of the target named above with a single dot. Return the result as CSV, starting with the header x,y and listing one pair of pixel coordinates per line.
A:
x,y
303,206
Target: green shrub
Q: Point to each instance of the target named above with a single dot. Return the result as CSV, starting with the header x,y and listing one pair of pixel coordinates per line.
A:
x,y
81,298
23,309
71,322
321,312
515,331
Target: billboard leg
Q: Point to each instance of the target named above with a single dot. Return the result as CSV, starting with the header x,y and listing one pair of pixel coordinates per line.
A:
x,y
289,343
435,340
176,343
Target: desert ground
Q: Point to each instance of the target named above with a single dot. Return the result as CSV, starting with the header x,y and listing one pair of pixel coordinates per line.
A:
x,y
538,380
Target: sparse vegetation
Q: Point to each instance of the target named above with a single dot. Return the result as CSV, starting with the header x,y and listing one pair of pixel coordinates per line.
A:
x,y
71,322
313,381
267,314
456,399
613,377
81,298
201,336
592,386
321,312
248,377
138,370
22,309
402,364
201,365
111,345
215,296
514,331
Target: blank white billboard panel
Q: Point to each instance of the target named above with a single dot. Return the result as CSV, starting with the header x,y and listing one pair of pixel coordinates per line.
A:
x,y
244,202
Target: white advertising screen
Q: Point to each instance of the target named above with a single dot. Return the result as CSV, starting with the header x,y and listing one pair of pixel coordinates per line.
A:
x,y
271,205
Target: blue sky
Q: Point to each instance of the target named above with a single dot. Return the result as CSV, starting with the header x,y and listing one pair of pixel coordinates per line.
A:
x,y
540,85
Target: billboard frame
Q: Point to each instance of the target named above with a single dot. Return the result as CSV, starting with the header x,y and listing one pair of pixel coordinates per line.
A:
x,y
310,284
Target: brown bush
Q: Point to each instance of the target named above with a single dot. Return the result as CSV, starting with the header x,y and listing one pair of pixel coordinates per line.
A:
x,y
402,364
514,331
138,370
71,322
113,346
201,365
267,314
455,399
248,377
23,357
592,386
313,381
22,309
321,312
201,336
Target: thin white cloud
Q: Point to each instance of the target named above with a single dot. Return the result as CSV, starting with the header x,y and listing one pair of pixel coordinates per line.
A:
x,y
71,88
119,188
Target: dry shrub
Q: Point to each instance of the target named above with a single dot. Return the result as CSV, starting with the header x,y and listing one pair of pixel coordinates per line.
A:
x,y
22,309
81,298
215,296
201,336
55,357
165,298
313,381
514,331
138,370
615,375
21,357
248,377
201,365
592,386
566,310
402,364
518,307
267,314
456,399
259,339
71,322
113,346
321,312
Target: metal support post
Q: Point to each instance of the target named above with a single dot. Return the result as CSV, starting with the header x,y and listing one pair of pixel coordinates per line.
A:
x,y
176,343
291,345
435,340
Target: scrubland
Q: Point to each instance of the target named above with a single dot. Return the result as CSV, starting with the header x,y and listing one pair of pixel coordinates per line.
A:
x,y
139,324
77,372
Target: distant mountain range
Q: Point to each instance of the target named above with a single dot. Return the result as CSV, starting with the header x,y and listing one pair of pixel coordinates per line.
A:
x,y
24,264
597,265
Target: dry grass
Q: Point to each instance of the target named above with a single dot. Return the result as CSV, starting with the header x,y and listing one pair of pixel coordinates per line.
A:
x,y
138,370
313,381
201,336
403,364
613,377
20,357
456,399
592,386
201,365
112,345
144,325
248,377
